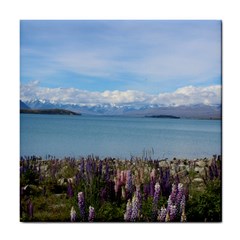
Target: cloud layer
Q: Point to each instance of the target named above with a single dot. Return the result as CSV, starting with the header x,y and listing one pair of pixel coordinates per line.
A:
x,y
210,95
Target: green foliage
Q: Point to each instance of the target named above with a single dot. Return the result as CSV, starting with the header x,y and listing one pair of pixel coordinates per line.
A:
x,y
29,177
110,212
206,205
147,209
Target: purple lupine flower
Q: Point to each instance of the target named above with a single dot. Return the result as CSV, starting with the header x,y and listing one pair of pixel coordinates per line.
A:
x,y
180,193
182,204
70,192
172,212
100,168
180,199
152,188
73,215
81,204
77,178
107,177
174,193
169,202
91,215
89,166
82,167
176,179
135,208
139,199
156,193
211,174
129,185
156,199
128,213
146,190
162,214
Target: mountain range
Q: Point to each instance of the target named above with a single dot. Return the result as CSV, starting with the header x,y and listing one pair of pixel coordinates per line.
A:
x,y
200,111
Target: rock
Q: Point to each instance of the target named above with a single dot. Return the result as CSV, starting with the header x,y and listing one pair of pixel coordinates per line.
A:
x,y
43,168
201,163
209,163
31,189
175,167
199,170
182,173
182,167
62,181
197,180
72,179
163,163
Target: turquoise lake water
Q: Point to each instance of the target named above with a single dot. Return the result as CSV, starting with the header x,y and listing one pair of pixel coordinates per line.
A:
x,y
121,137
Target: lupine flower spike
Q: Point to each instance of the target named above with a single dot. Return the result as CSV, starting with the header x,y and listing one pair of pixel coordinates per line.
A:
x,y
91,214
135,208
128,213
162,214
155,199
73,215
81,204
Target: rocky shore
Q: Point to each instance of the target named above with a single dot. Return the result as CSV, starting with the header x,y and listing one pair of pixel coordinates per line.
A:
x,y
195,171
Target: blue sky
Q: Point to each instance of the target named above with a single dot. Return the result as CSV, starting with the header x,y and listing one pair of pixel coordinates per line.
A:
x,y
147,57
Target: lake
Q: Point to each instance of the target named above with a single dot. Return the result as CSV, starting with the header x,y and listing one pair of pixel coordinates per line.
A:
x,y
120,137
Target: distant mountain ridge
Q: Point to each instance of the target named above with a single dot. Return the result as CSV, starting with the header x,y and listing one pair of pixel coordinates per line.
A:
x,y
23,105
200,111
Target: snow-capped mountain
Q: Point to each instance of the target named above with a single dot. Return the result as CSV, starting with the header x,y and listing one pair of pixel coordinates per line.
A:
x,y
186,111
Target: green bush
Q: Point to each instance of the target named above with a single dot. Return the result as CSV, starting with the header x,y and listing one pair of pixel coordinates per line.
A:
x,y
205,205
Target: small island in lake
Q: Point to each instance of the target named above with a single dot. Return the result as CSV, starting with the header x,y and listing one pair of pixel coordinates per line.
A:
x,y
162,116
49,111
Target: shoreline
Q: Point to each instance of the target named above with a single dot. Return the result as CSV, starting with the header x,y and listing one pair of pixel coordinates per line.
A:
x,y
180,168
53,157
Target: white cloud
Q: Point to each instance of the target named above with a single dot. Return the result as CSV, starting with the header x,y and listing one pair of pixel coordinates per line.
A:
x,y
183,96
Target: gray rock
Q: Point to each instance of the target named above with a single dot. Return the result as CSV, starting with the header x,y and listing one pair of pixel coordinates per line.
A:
x,y
62,181
182,167
182,173
163,164
201,163
197,180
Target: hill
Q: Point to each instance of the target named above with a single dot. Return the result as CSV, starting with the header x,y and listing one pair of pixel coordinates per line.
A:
x,y
49,111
